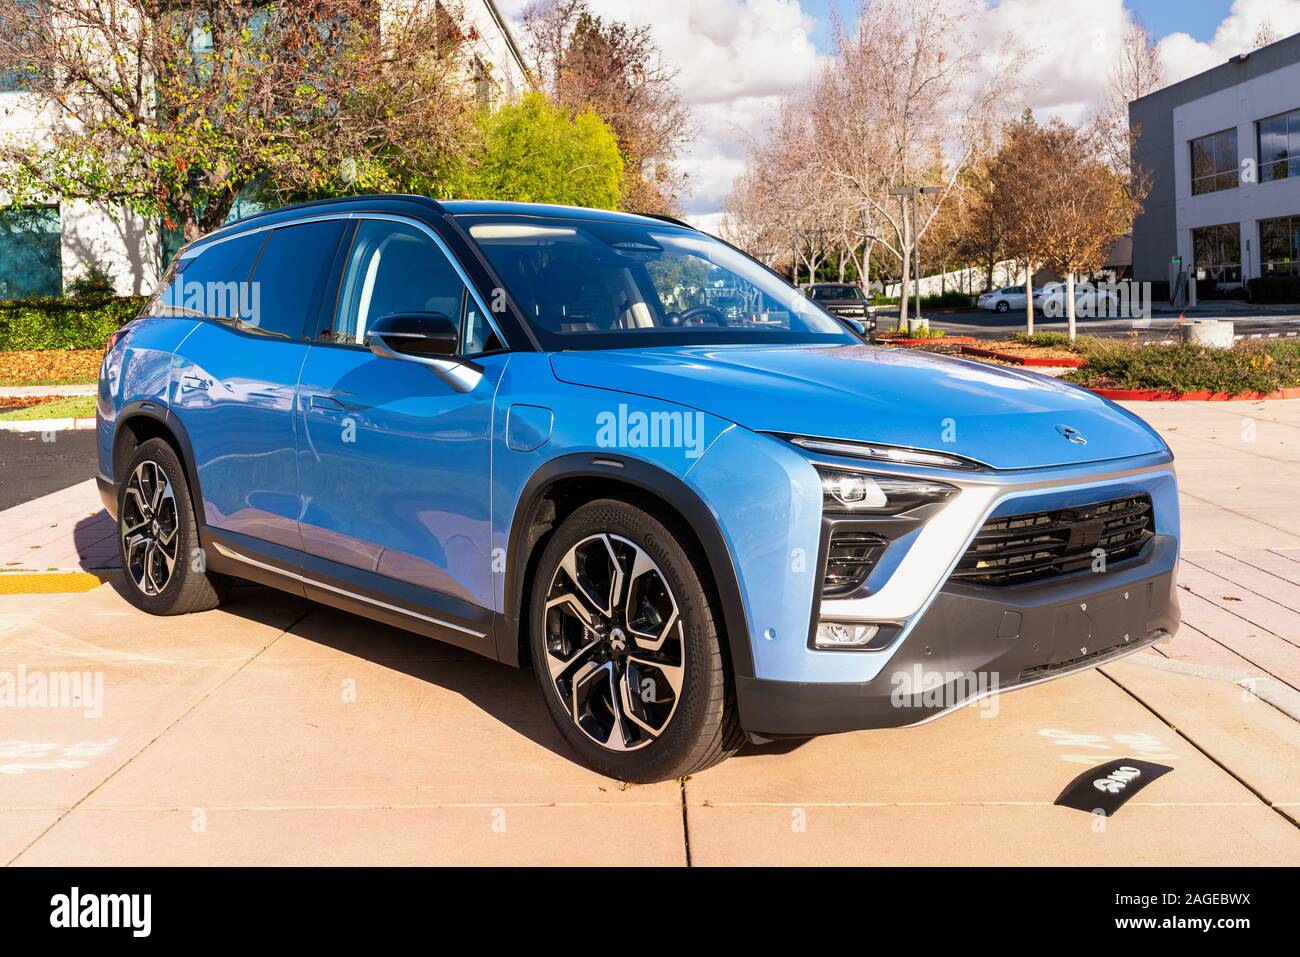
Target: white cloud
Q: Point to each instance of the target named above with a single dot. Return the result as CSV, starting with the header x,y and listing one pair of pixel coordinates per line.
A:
x,y
735,60
738,58
1184,56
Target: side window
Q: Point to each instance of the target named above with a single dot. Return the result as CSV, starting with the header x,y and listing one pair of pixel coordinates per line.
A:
x,y
395,268
214,284
479,335
290,276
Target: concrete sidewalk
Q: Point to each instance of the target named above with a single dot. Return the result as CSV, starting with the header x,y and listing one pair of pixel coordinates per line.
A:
x,y
276,731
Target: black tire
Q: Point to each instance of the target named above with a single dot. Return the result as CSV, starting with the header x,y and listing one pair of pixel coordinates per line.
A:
x,y
188,587
703,728
1003,306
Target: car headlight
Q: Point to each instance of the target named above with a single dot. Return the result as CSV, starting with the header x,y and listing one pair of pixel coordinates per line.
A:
x,y
858,493
882,453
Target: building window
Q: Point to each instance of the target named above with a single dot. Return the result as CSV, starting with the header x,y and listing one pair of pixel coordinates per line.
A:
x,y
1216,254
31,261
1279,147
1214,162
1279,242
16,76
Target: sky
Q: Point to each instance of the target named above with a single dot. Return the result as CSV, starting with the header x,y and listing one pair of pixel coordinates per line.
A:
x,y
737,59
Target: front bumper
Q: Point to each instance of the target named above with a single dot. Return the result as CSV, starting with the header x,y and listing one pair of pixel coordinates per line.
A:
x,y
975,640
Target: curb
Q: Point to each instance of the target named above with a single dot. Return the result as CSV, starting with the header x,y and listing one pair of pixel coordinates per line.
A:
x,y
1028,361
48,425
1157,395
935,340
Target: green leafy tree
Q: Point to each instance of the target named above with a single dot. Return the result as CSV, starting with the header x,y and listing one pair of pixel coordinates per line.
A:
x,y
172,109
536,152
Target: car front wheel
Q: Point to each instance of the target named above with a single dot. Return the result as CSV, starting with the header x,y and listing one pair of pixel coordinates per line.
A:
x,y
626,643
1003,306
158,538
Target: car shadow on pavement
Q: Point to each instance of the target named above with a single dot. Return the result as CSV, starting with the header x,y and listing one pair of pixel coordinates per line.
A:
x,y
508,695
95,539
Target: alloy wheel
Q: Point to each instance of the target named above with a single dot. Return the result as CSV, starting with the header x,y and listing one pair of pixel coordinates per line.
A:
x,y
615,646
149,528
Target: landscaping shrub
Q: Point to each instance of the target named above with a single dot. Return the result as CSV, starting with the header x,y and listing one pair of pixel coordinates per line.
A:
x,y
1050,340
1247,367
63,323
96,282
1275,289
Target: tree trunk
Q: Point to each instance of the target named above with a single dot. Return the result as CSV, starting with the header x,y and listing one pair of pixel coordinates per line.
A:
x,y
1029,298
1069,303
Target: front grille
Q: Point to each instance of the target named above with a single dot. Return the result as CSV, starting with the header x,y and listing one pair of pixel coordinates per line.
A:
x,y
1024,548
849,560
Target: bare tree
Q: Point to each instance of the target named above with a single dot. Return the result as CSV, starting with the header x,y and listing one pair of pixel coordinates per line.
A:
x,y
901,90
587,62
1264,35
1135,72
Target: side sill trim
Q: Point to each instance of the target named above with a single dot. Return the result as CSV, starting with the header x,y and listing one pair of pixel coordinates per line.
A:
x,y
236,556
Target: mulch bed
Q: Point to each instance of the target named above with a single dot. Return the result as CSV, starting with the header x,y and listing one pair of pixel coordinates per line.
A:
x,y
1018,353
49,366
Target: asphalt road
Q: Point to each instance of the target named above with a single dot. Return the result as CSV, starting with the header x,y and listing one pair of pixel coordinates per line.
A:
x,y
31,467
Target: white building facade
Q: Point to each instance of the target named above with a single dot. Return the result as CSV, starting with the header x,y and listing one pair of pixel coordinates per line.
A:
x,y
44,248
1223,150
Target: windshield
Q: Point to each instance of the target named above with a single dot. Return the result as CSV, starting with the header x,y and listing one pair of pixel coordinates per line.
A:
x,y
597,284
836,293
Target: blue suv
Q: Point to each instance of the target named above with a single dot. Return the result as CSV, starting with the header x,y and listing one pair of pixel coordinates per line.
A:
x,y
623,452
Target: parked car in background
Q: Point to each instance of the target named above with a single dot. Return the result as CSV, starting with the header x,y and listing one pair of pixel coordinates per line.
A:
x,y
1003,300
1087,297
690,527
845,300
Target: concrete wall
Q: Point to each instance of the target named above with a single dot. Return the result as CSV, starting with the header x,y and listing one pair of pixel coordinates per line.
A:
x,y
1235,95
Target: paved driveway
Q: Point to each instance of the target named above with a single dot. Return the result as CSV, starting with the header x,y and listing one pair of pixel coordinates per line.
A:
x,y
277,731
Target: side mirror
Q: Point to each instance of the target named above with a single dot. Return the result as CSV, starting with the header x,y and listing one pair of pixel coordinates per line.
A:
x,y
414,334
426,338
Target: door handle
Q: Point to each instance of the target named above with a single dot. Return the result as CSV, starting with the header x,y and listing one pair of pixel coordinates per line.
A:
x,y
326,403
194,382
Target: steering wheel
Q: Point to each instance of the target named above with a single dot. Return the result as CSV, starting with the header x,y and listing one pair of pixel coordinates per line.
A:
x,y
701,315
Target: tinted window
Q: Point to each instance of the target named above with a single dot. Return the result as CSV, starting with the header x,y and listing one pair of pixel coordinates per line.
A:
x,y
30,252
836,292
291,274
214,283
1214,162
394,268
1279,147
610,284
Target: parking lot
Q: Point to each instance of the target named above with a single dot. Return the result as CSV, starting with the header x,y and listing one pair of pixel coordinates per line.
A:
x,y
274,731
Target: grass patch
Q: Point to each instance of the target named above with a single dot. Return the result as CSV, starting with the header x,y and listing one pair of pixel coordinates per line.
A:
x,y
75,407
1247,367
49,366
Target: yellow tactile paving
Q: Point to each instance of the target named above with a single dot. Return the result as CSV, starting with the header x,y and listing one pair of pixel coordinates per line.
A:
x,y
48,583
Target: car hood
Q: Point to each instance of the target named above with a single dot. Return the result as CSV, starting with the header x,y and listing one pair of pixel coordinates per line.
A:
x,y
1003,417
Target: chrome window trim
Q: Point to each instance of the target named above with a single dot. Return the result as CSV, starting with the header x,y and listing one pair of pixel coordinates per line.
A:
x,y
295,576
190,252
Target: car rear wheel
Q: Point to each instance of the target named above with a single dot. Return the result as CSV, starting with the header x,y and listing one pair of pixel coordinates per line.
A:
x,y
625,641
158,538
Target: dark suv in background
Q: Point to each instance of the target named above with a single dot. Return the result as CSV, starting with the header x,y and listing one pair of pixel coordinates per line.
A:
x,y
844,300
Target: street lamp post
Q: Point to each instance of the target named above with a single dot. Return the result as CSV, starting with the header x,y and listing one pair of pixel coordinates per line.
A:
x,y
913,192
